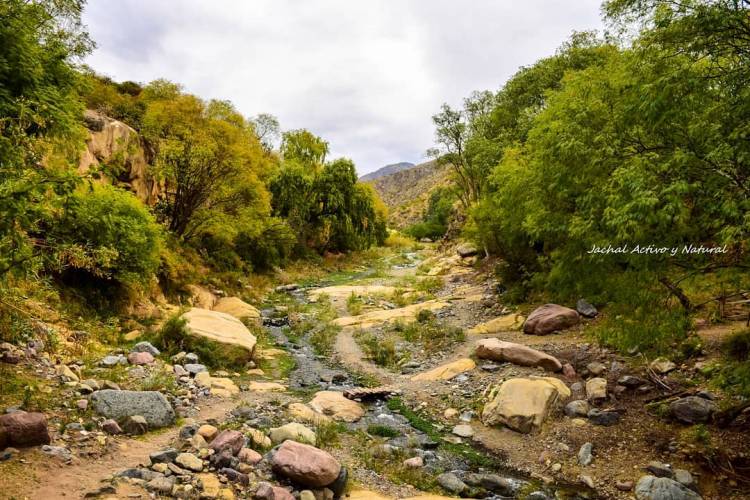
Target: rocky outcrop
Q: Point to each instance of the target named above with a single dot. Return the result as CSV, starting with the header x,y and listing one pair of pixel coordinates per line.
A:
x,y
405,314
523,404
117,151
550,318
238,308
118,405
498,350
221,328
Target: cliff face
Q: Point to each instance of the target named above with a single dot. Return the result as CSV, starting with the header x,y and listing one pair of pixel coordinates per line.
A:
x,y
407,192
119,153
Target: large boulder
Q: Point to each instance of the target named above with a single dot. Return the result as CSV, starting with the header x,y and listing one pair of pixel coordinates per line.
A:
x,y
305,464
23,429
663,488
201,297
336,406
550,318
232,338
238,308
522,404
498,350
118,405
692,410
446,371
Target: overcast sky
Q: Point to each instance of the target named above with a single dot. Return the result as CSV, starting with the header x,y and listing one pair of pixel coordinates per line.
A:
x,y
365,75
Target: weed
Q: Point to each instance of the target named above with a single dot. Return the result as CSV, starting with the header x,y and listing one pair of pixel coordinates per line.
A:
x,y
354,304
382,351
328,435
383,431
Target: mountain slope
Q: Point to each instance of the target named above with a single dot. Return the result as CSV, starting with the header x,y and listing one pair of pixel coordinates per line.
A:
x,y
387,170
407,192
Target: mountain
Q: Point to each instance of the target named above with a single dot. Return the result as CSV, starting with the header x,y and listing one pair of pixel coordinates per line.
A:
x,y
406,192
387,170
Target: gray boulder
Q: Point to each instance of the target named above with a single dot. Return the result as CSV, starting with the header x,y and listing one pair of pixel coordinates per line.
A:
x,y
118,405
663,488
451,482
585,308
692,409
145,347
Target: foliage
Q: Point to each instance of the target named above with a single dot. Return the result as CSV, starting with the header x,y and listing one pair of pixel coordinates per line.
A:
x,y
381,351
120,101
39,118
106,233
434,222
734,374
383,431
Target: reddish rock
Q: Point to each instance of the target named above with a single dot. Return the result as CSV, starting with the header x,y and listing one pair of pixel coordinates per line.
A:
x,y
267,491
550,318
568,371
228,440
305,465
140,358
23,429
249,456
111,427
498,350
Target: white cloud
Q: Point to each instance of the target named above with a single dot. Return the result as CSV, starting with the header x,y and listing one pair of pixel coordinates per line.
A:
x,y
367,76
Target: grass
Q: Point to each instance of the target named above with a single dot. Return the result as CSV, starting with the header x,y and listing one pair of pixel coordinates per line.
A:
x,y
328,436
26,390
354,304
381,351
393,468
733,374
383,431
428,332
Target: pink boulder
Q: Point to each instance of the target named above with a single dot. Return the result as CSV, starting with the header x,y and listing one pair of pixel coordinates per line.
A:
x,y
140,358
498,350
228,440
550,318
23,429
305,465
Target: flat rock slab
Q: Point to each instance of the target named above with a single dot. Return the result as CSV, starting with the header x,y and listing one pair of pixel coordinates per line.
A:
x,y
336,406
498,350
509,322
374,318
234,306
219,327
343,292
151,405
522,404
447,371
550,318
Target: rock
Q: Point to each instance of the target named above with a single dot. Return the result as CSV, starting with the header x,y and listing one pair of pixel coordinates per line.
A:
x,y
663,488
189,462
568,371
451,483
550,318
500,324
450,413
624,485
294,431
249,456
258,438
466,250
585,309
195,368
659,469
163,456
596,389
596,368
218,386
414,463
600,417
338,407
523,403
208,432
238,308
267,491
228,440
111,427
630,381
140,358
405,314
587,480
662,366
447,371
305,464
21,429
578,408
685,478
498,350
161,484
82,404
231,337
110,361
306,495
66,374
303,412
339,485
135,425
145,347
210,485
151,405
584,454
692,410
235,476
463,430
266,387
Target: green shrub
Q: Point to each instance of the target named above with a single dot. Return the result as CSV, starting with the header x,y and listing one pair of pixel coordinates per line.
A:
x,y
382,351
383,431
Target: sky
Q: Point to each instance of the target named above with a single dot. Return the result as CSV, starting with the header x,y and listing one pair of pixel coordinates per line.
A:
x,y
365,75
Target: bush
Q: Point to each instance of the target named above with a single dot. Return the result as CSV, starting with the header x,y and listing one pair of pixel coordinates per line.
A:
x,y
106,233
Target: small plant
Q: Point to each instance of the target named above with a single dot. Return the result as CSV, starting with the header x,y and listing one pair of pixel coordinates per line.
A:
x,y
383,431
354,304
328,435
381,351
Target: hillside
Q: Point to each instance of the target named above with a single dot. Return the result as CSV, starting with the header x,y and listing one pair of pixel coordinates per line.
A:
x,y
387,170
406,193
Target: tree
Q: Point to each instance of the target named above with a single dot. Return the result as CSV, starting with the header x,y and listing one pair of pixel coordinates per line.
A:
x,y
39,118
267,129
303,147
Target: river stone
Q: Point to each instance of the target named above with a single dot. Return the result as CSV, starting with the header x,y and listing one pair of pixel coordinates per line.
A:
x,y
145,347
267,491
134,425
140,358
466,250
451,482
163,456
228,440
189,462
596,389
600,417
335,405
294,431
151,405
584,454
463,430
550,318
663,488
229,334
578,408
23,429
238,308
692,409
305,464
662,366
303,412
585,309
522,404
498,350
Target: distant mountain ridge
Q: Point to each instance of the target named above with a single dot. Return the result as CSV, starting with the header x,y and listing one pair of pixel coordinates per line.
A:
x,y
387,170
